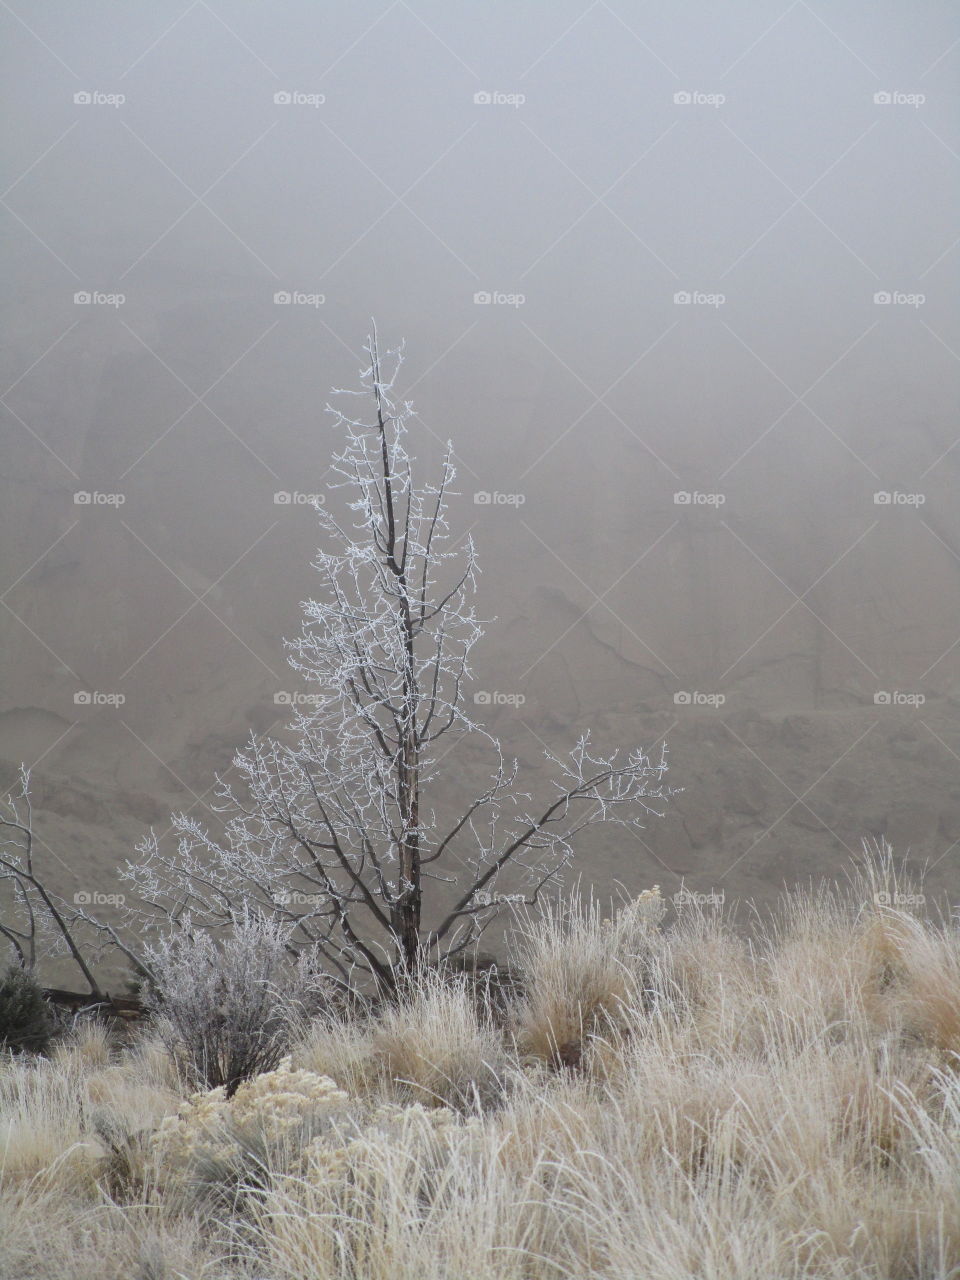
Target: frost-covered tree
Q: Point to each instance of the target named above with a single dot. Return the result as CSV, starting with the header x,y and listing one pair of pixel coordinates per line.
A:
x,y
336,827
37,922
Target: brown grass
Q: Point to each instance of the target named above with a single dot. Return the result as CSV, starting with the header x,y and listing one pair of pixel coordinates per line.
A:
x,y
664,1103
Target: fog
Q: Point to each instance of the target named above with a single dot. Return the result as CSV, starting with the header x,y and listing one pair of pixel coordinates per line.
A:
x,y
679,283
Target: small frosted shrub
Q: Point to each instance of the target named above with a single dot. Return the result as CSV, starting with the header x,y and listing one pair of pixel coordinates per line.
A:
x,y
225,1011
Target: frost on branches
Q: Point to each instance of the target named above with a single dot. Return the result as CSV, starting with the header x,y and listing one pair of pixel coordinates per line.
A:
x,y
334,827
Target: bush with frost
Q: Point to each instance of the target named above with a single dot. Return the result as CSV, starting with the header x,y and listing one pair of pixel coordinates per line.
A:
x,y
226,1009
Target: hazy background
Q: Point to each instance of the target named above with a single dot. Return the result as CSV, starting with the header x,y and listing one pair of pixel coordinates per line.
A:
x,y
782,186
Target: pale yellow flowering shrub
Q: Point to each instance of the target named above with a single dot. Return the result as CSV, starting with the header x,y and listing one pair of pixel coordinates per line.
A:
x,y
635,919
266,1110
279,1112
281,1100
197,1132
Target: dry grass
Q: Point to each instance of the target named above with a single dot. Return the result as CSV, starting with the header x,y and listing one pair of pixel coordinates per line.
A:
x,y
663,1104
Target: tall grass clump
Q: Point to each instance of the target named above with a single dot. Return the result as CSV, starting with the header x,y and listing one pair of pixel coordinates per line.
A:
x,y
583,973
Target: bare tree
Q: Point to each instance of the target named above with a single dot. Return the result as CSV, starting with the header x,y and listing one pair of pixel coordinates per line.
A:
x,y
336,819
40,920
